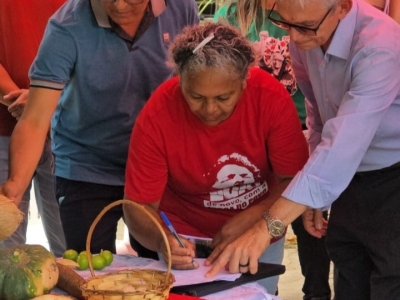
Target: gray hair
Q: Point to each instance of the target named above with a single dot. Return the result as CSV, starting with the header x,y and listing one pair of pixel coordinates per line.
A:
x,y
229,50
304,3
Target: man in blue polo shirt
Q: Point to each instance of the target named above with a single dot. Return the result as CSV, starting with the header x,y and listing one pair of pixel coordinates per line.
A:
x,y
98,63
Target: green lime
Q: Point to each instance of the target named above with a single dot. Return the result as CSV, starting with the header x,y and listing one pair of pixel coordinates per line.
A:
x,y
82,253
107,254
83,262
70,254
99,262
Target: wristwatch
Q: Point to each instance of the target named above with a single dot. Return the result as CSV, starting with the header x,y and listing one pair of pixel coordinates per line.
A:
x,y
276,227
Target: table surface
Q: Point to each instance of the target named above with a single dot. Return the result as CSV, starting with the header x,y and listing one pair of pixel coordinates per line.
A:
x,y
250,291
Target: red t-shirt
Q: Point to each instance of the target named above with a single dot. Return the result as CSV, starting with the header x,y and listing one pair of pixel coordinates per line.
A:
x,y
205,175
22,24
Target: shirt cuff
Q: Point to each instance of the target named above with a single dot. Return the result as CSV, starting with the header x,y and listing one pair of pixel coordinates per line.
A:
x,y
311,191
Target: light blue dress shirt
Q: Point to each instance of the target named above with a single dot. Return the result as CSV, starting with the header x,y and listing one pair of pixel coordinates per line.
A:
x,y
353,106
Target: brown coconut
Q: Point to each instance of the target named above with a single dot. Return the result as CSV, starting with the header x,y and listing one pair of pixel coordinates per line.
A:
x,y
10,217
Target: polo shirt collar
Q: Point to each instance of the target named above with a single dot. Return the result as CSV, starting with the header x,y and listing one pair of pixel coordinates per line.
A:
x,y
158,7
343,37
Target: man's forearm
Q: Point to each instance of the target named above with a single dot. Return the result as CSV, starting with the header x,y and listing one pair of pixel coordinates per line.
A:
x,y
286,210
26,147
247,218
257,210
28,138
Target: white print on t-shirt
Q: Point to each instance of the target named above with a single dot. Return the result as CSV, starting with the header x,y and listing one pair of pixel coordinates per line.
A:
x,y
275,59
236,184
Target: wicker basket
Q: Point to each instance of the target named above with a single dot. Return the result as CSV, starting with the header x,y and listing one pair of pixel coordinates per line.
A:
x,y
128,284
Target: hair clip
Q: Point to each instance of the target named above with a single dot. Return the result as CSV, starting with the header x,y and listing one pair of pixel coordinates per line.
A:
x,y
203,43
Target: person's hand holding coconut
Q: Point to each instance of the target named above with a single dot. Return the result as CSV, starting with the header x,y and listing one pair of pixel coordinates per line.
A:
x,y
10,217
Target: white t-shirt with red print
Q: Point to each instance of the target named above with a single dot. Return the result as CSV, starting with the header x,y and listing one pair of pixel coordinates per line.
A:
x,y
205,175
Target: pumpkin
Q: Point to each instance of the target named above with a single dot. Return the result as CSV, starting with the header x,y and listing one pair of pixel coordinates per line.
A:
x,y
26,271
10,217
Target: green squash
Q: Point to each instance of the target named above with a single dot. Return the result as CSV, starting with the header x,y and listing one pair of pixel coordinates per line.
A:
x,y
26,271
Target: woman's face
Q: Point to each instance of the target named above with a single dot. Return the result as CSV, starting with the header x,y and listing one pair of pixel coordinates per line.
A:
x,y
212,94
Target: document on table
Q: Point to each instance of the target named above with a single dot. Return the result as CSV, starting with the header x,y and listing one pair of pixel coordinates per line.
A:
x,y
186,277
123,262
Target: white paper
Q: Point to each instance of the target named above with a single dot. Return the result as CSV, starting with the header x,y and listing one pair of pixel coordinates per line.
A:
x,y
185,277
194,238
182,277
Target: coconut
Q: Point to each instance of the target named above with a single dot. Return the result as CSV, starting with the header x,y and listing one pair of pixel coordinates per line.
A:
x,y
10,217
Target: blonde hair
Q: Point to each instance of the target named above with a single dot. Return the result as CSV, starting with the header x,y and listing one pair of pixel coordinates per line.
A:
x,y
246,14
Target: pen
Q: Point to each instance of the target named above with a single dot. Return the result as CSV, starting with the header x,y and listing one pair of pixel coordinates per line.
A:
x,y
173,231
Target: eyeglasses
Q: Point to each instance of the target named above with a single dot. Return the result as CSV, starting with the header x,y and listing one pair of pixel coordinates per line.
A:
x,y
134,2
275,19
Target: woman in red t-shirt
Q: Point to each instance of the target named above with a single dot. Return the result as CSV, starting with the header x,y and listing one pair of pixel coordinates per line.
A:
x,y
213,148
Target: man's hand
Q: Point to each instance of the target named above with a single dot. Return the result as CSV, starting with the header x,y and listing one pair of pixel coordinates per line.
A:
x,y
234,228
10,190
182,258
314,222
244,251
18,100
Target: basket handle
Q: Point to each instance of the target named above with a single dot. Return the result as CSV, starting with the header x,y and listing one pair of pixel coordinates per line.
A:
x,y
107,208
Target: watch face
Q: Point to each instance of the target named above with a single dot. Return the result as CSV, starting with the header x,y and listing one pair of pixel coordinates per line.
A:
x,y
276,228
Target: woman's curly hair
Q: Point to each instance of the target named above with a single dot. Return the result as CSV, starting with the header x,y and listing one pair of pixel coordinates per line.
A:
x,y
229,50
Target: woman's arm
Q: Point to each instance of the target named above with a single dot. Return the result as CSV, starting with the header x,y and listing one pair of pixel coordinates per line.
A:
x,y
142,228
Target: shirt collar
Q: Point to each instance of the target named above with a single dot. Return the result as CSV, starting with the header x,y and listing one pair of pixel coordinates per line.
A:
x,y
343,36
157,6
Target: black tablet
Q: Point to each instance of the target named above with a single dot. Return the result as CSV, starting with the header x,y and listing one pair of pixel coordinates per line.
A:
x,y
203,289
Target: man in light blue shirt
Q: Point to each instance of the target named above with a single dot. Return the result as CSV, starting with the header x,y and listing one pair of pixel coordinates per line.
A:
x,y
345,55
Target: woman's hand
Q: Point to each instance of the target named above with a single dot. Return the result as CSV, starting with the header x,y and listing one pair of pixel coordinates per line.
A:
x,y
182,258
314,222
244,251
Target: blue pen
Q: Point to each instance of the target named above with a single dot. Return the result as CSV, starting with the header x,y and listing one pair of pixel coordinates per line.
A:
x,y
171,228
173,231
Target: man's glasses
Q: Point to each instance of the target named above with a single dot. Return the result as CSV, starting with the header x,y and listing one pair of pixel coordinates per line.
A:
x,y
135,2
275,19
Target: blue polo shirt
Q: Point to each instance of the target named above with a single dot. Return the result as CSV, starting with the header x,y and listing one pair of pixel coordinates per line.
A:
x,y
105,82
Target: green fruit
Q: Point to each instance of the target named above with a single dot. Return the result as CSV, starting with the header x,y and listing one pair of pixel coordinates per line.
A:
x,y
83,262
99,262
82,253
108,256
70,254
26,271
